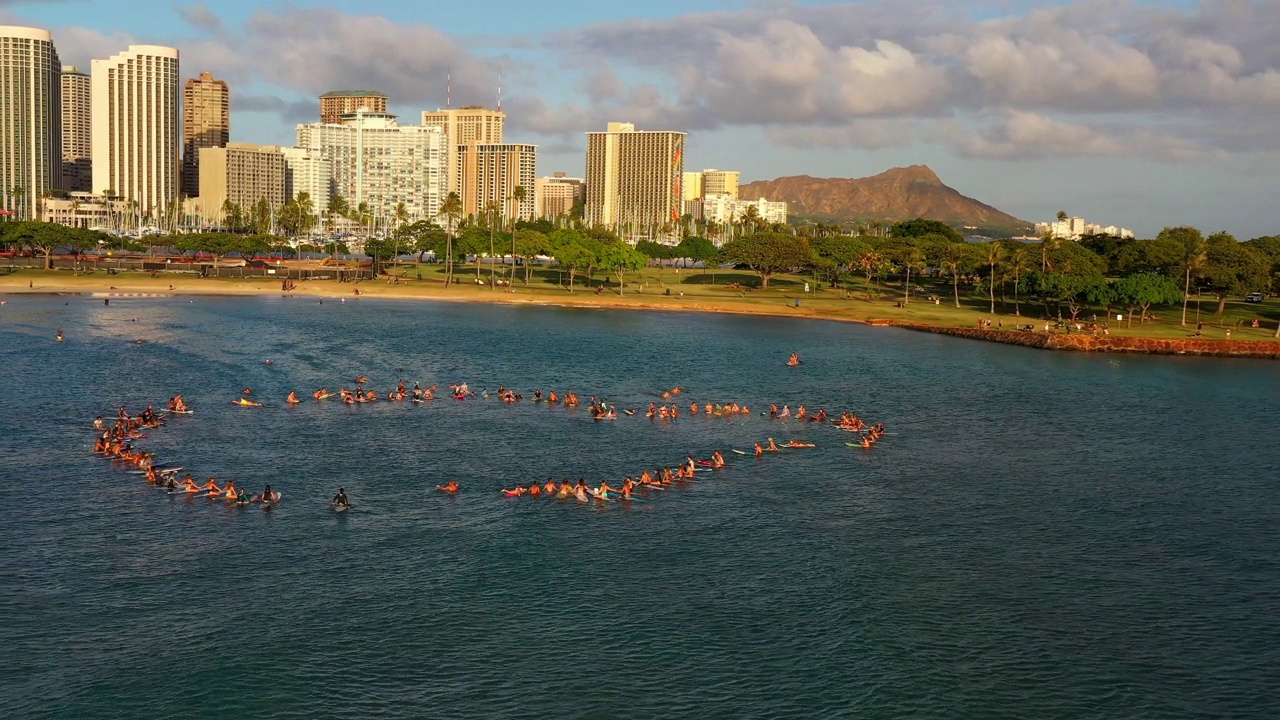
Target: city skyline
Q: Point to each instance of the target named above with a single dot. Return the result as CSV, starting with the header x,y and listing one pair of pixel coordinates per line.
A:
x,y
1150,115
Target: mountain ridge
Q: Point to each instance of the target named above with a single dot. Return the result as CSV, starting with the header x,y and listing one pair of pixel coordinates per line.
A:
x,y
900,193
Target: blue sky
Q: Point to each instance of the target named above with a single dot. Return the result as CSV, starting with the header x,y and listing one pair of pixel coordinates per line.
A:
x,y
1140,114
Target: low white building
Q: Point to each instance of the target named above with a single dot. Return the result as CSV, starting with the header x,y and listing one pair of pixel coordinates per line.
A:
x,y
1076,228
85,210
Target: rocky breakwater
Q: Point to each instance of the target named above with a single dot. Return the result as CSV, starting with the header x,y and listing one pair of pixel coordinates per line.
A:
x,y
1083,342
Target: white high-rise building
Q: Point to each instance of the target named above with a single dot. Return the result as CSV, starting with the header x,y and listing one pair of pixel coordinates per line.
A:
x,y
307,172
30,119
374,160
77,148
136,127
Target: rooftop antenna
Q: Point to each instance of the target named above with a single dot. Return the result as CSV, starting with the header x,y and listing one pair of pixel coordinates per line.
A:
x,y
499,91
448,90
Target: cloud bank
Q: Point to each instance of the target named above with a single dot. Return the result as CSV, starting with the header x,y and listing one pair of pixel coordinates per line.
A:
x,y
1089,78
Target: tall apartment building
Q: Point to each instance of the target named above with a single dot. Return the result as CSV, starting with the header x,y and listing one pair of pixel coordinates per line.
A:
x,y
336,103
557,195
77,148
242,174
465,126
720,182
634,177
206,123
136,126
30,118
491,174
306,171
375,160
691,187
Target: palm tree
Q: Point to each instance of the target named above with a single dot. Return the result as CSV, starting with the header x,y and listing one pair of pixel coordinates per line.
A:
x,y
1062,215
1018,262
911,258
1195,254
995,256
451,210
952,261
492,211
518,194
1048,243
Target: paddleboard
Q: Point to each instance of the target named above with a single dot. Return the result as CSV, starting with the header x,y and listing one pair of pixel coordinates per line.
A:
x,y
341,508
183,412
741,452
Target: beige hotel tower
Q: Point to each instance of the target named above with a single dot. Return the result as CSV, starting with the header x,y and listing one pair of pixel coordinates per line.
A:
x,y
136,125
634,177
206,123
30,119
472,125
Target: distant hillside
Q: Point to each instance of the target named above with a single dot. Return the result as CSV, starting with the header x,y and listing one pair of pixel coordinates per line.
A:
x,y
893,195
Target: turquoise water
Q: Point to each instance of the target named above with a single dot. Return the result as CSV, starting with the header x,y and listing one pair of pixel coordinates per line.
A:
x,y
1041,535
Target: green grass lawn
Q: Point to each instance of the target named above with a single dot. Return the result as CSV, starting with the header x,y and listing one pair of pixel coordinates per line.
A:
x,y
850,299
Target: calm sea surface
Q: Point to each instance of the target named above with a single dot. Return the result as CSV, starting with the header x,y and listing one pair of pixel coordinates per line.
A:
x,y
1041,535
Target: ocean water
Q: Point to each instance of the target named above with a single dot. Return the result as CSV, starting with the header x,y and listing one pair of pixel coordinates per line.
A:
x,y
1041,535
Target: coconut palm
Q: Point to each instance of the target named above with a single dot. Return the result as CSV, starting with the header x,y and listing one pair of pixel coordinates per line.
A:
x,y
910,258
1018,263
451,210
491,210
518,194
995,256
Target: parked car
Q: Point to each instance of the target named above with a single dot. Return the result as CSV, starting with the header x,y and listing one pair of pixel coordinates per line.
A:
x,y
1253,297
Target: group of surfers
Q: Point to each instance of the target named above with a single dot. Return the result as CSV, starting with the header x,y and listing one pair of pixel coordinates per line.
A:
x,y
660,479
114,444
801,413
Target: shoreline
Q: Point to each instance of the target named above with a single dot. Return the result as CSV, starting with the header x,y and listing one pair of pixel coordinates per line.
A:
x,y
128,286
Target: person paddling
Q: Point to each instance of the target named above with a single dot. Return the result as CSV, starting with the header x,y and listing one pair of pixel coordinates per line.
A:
x,y
449,487
340,500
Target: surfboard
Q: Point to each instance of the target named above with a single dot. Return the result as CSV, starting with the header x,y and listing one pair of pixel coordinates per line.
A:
x,y
741,452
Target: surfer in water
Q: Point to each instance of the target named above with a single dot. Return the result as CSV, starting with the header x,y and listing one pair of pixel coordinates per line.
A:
x,y
340,501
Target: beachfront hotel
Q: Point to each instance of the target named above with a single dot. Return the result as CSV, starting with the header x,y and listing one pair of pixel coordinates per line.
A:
x,y
375,160
30,119
242,174
136,127
336,103
557,195
471,125
489,175
634,177
77,150
206,123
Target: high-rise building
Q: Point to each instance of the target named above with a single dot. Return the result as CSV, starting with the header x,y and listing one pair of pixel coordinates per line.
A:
x,y
206,123
691,186
634,177
30,119
242,174
463,126
558,195
77,150
136,125
336,103
490,174
720,182
374,160
306,171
